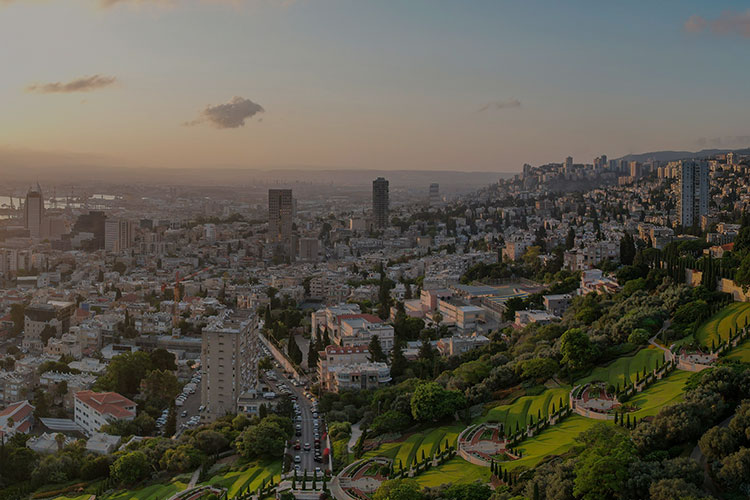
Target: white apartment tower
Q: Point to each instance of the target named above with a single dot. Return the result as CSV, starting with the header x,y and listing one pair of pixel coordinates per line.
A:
x,y
118,235
229,363
693,191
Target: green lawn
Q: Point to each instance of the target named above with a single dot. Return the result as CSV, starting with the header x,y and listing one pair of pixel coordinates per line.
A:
x,y
554,440
622,370
252,475
666,391
741,352
454,471
411,448
153,492
717,327
559,438
527,406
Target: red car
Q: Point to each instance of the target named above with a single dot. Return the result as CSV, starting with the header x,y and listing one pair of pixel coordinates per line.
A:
x,y
297,445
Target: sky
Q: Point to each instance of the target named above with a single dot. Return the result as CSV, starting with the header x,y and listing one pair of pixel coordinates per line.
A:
x,y
481,85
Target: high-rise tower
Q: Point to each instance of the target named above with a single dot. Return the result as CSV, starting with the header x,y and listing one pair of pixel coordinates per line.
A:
x,y
280,219
693,192
380,202
434,194
34,211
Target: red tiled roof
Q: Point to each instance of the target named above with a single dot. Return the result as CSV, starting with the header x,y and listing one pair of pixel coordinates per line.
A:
x,y
107,403
24,427
368,317
334,349
728,247
18,411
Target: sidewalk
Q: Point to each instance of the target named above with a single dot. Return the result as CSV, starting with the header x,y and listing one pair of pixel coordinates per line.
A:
x,y
356,432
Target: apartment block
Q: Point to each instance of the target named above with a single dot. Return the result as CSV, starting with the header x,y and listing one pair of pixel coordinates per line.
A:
x,y
95,409
229,362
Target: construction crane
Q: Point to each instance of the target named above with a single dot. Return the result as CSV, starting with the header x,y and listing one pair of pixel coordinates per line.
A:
x,y
176,289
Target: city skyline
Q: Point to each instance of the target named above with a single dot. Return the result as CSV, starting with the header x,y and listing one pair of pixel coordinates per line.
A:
x,y
391,86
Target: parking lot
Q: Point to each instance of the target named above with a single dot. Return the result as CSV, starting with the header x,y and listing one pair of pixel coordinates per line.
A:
x,y
187,406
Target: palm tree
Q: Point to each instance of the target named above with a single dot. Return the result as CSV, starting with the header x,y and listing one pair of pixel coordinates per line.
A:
x,y
60,440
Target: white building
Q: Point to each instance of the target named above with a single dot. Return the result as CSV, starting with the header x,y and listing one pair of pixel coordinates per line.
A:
x,y
118,235
349,368
95,409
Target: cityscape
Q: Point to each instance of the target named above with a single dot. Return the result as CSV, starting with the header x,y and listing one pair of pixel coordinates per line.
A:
x,y
242,303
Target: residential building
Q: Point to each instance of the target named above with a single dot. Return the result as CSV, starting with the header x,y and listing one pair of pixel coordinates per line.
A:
x,y
14,384
16,418
95,409
557,304
349,368
119,235
308,249
594,281
229,362
524,318
359,329
37,317
465,317
102,444
459,344
693,192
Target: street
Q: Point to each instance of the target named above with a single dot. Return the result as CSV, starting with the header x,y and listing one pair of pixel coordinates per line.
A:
x,y
307,423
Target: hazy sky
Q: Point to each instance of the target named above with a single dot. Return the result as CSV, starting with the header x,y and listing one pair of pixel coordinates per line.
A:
x,y
391,84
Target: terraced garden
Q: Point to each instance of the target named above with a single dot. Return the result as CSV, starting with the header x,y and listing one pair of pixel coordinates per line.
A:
x,y
741,352
622,371
560,438
454,471
664,392
716,328
251,476
411,448
522,409
153,492
554,440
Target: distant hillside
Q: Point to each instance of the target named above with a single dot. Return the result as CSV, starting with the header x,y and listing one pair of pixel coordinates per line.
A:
x,y
680,155
72,172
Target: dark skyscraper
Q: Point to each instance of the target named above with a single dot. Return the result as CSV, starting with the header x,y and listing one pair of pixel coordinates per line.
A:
x,y
280,214
34,211
380,202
